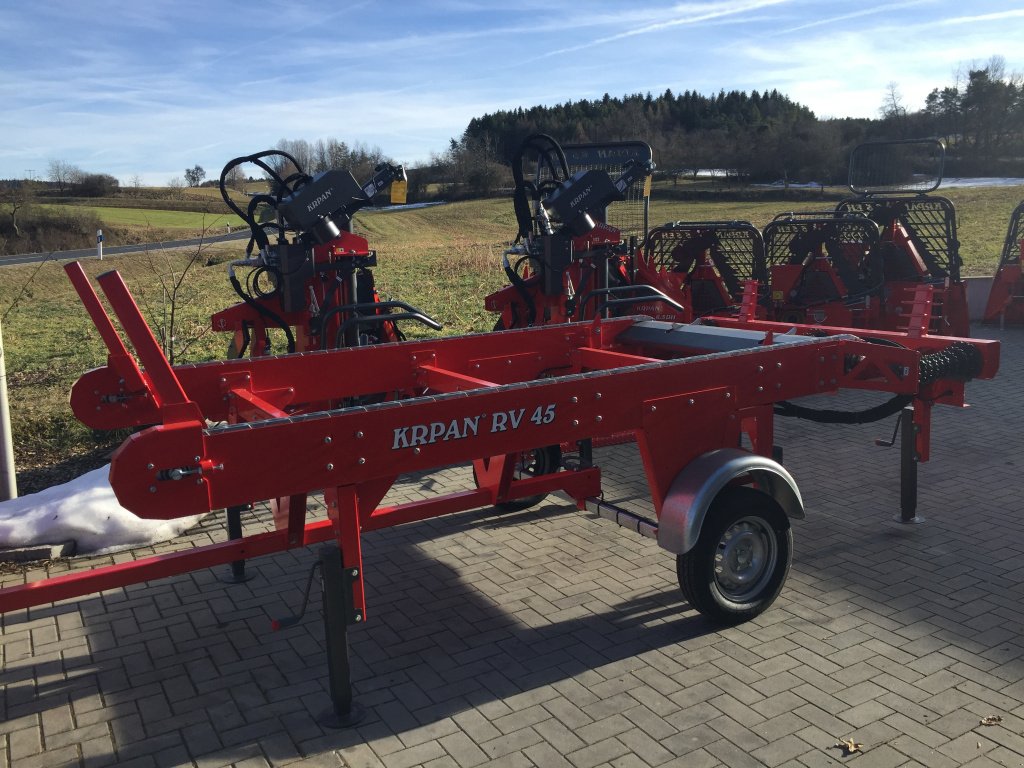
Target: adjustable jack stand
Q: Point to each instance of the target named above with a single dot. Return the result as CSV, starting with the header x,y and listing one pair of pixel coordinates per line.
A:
x,y
339,612
908,469
908,465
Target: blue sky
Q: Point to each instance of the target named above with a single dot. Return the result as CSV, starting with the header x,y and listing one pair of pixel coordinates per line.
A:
x,y
149,88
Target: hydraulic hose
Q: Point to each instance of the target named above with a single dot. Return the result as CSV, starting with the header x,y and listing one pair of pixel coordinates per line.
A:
x,y
960,361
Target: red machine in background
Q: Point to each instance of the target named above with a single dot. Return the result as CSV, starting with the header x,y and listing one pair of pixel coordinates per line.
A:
x,y
314,282
823,268
1006,297
898,268
568,261
704,266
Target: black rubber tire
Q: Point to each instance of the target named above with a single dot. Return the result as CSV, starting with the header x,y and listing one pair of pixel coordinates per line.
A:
x,y
721,576
538,461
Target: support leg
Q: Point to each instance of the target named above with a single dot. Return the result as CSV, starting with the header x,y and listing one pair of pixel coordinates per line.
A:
x,y
908,469
339,611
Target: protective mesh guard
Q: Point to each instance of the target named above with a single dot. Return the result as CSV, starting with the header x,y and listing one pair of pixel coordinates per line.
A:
x,y
886,167
735,248
1014,236
629,216
847,242
930,222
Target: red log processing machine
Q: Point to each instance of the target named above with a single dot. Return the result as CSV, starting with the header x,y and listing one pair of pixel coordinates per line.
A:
x,y
348,421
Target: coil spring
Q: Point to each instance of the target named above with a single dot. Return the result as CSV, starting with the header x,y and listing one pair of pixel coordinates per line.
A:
x,y
961,360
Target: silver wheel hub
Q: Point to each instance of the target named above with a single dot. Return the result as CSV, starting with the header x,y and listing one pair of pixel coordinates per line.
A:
x,y
745,559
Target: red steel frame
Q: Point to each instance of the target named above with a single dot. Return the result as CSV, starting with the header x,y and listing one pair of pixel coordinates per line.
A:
x,y
484,399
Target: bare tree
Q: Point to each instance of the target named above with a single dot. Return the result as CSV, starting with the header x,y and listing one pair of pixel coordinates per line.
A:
x,y
235,179
175,311
893,110
15,196
194,176
62,173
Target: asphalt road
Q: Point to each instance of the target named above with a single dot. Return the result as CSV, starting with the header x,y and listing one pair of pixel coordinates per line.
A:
x,y
86,253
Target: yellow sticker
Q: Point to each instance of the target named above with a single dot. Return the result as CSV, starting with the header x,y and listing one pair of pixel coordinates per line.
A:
x,y
399,191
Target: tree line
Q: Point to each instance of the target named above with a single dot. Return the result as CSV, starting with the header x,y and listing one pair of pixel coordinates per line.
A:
x,y
760,136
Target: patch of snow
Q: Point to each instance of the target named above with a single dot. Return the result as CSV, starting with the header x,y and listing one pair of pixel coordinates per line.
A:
x,y
86,511
982,181
408,206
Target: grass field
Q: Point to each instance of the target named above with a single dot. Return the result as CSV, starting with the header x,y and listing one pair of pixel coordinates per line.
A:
x,y
141,217
442,259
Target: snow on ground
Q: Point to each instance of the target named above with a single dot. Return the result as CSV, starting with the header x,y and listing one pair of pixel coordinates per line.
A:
x,y
83,510
982,181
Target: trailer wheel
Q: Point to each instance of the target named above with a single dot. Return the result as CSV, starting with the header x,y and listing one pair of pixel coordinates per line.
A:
x,y
741,559
538,461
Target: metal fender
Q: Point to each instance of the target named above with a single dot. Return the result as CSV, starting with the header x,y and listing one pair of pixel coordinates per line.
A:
x,y
696,486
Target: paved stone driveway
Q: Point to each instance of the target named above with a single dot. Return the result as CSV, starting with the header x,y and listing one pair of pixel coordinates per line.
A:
x,y
551,638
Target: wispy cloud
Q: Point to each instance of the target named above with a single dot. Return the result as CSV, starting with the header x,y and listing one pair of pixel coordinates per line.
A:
x,y
146,88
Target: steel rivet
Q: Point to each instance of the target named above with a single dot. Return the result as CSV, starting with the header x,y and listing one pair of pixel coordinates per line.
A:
x,y
149,466
599,419
760,389
575,422
359,617
330,467
760,369
415,451
654,408
152,489
691,401
574,399
355,572
359,435
778,365
728,395
597,396
327,441
361,460
196,458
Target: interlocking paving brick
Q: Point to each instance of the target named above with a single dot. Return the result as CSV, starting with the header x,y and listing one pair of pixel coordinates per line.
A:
x,y
552,638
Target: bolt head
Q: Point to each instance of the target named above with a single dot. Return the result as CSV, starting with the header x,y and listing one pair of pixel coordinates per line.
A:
x,y
330,467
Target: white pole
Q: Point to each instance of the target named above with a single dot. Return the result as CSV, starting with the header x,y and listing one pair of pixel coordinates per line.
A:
x,y
99,244
8,475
